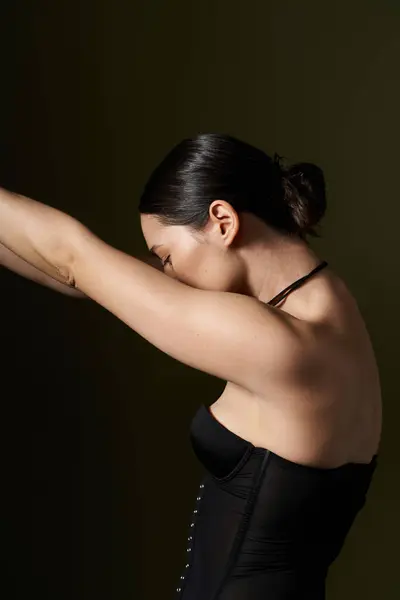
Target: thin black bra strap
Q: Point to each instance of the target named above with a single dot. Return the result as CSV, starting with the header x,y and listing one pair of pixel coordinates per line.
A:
x,y
296,284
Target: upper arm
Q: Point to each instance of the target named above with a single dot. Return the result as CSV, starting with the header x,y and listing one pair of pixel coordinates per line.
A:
x,y
228,335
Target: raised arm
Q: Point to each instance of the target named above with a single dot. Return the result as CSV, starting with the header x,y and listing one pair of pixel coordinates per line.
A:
x,y
11,261
231,336
39,234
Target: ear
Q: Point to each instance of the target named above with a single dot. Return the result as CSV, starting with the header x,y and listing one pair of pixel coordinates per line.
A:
x,y
224,222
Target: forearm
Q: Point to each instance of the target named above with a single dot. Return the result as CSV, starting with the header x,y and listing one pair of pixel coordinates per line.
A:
x,y
41,235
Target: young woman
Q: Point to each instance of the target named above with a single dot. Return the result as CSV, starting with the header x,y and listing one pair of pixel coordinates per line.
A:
x,y
290,447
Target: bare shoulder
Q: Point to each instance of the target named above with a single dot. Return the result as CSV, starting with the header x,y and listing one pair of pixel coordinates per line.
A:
x,y
334,391
321,405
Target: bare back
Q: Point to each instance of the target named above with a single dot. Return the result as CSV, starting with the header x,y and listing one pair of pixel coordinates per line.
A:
x,y
325,409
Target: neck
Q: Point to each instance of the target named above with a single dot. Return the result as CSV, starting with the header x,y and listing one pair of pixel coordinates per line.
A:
x,y
273,261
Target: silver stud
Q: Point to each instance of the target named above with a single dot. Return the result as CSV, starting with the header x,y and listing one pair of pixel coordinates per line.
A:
x,y
198,497
178,589
189,550
190,538
182,577
202,485
191,524
187,565
195,511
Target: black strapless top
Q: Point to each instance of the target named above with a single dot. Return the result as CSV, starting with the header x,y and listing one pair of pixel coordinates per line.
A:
x,y
263,527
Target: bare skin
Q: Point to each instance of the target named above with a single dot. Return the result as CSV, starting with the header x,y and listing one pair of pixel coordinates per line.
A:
x,y
18,265
302,377
320,403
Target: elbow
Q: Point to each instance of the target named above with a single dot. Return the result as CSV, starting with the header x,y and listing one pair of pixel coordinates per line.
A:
x,y
67,252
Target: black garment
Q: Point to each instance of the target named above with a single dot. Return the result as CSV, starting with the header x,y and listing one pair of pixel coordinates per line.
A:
x,y
263,527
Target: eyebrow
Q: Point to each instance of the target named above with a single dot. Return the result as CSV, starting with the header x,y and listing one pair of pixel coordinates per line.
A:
x,y
153,248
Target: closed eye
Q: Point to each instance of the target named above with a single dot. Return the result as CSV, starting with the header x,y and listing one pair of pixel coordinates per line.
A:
x,y
167,261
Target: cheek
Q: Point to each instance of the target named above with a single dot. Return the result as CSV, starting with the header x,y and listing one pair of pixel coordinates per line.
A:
x,y
208,269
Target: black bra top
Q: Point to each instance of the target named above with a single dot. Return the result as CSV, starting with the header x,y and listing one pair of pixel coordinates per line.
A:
x,y
264,526
220,450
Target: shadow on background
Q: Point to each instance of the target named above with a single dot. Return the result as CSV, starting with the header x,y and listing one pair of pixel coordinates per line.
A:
x,y
99,478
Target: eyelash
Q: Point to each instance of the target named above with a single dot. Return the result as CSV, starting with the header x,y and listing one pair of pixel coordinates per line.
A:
x,y
167,261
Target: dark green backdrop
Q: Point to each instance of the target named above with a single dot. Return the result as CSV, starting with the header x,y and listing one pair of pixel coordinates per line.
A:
x,y
99,479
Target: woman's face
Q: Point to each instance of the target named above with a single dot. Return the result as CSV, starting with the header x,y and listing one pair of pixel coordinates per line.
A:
x,y
204,260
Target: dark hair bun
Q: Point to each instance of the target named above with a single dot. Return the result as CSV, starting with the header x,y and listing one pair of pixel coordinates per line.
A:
x,y
304,186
